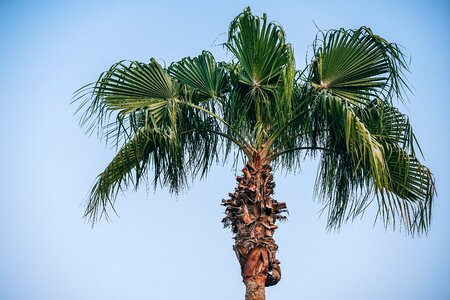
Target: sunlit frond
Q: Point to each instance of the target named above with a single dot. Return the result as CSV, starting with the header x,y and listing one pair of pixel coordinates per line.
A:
x,y
347,134
201,73
124,87
262,75
260,48
357,65
366,157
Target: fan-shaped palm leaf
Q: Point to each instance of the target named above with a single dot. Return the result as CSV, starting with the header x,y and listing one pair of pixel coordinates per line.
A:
x,y
357,65
263,75
127,89
201,73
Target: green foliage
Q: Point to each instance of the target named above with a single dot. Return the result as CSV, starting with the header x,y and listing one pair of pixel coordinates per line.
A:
x,y
170,125
357,65
262,75
202,74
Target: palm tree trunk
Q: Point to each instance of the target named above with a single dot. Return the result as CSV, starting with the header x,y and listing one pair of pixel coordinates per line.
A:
x,y
255,291
251,212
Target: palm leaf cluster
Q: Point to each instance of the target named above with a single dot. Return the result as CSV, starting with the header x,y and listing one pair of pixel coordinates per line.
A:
x,y
171,124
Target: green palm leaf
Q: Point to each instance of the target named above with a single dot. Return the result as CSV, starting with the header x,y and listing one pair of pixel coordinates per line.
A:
x,y
410,194
388,124
201,73
348,134
262,75
367,156
127,88
131,160
357,65
260,48
135,80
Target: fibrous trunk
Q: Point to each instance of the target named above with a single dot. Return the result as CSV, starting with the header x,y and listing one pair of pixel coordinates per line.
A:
x,y
251,212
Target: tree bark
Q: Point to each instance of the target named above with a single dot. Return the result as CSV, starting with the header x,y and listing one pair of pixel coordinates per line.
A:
x,y
255,291
251,213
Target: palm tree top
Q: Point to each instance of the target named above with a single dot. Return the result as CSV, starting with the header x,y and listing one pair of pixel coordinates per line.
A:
x,y
171,124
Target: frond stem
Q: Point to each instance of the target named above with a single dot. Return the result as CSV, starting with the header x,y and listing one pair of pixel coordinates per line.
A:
x,y
241,146
277,133
218,118
275,155
248,150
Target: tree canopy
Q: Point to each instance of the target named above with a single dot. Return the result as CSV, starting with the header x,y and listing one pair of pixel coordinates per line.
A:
x,y
170,124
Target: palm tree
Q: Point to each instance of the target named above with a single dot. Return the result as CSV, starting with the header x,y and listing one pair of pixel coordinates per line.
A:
x,y
171,124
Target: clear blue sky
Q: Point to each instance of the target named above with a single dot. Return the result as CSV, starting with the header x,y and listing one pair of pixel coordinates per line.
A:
x,y
166,247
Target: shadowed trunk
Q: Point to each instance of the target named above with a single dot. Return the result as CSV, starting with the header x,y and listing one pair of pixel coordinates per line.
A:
x,y
251,212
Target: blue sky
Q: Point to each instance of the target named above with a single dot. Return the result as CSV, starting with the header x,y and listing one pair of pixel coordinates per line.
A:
x,y
165,247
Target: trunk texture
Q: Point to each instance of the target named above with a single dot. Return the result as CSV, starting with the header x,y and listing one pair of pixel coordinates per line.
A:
x,y
251,213
255,291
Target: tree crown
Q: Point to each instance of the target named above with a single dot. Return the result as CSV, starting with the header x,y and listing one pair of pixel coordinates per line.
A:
x,y
173,123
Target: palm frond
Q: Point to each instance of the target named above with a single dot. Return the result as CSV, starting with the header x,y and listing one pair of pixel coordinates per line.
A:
x,y
201,73
263,75
409,197
157,157
348,134
127,166
368,158
358,65
389,125
124,87
138,108
259,47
